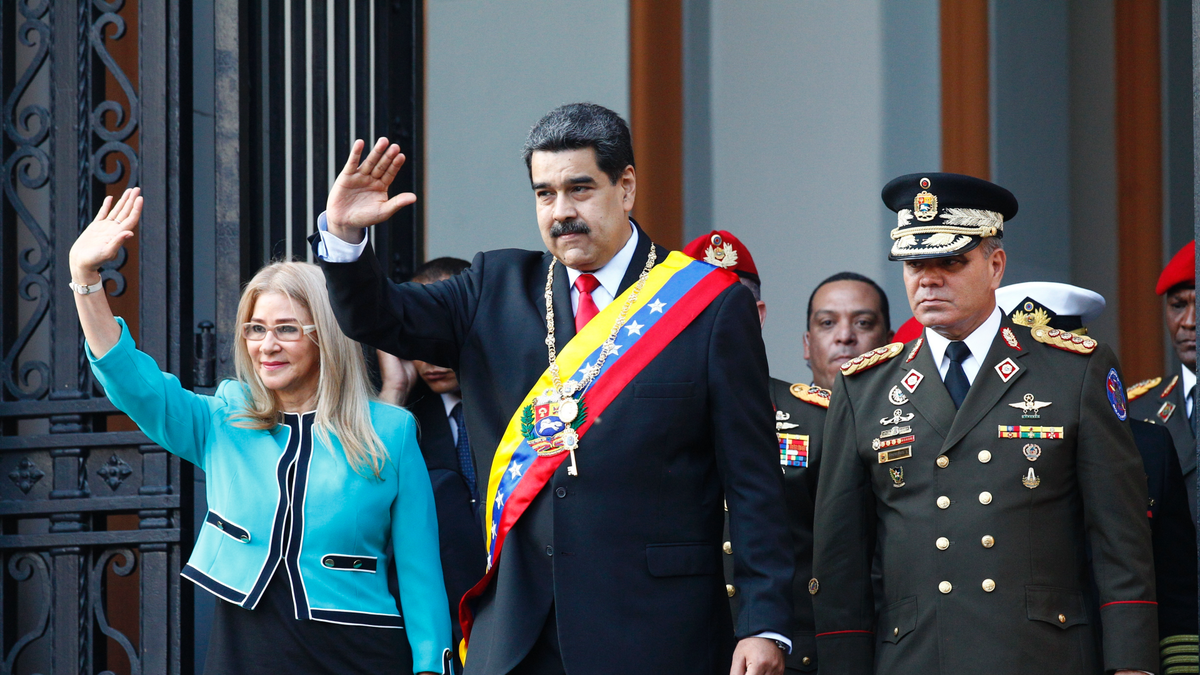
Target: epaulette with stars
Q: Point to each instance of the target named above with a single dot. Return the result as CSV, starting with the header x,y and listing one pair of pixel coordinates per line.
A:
x,y
872,358
1064,340
1137,390
811,393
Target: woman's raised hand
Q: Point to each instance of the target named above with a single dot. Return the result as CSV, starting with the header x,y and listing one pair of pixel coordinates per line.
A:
x,y
101,241
359,198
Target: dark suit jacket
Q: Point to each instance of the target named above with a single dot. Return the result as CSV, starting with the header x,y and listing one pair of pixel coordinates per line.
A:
x,y
628,551
1171,531
796,417
461,533
980,571
1170,402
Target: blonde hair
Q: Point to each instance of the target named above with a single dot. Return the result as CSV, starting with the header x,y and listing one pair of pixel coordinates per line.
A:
x,y
344,391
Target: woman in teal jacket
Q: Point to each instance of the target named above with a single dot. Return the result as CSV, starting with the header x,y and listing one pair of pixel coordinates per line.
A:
x,y
309,479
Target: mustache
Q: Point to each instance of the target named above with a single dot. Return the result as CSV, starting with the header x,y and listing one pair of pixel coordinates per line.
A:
x,y
569,227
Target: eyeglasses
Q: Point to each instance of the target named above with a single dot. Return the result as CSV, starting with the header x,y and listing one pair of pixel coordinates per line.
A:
x,y
284,332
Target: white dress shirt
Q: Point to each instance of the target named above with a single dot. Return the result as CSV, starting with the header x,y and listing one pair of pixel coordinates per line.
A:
x,y
450,400
979,342
1189,381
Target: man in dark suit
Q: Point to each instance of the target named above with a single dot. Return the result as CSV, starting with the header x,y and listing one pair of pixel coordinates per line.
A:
x,y
614,565
971,468
847,313
432,395
1171,401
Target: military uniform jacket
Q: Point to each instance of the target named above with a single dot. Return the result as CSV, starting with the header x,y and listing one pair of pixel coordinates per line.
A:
x,y
799,422
981,573
1166,404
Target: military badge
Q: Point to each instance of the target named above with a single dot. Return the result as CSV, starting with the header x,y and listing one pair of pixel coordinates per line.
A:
x,y
886,456
911,380
1009,338
925,206
1064,340
813,586
894,431
1031,480
1165,412
897,397
721,253
811,393
897,417
1030,407
1006,369
879,444
1116,394
1021,431
781,421
549,424
793,450
915,350
1032,452
897,473
1135,391
1170,387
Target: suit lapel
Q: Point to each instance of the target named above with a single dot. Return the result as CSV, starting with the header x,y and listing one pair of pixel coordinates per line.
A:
x,y
930,398
564,316
987,389
1181,428
641,251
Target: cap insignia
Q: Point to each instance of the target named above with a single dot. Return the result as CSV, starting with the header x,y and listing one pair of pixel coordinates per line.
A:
x,y
720,254
1033,319
1064,340
925,183
925,206
811,393
872,358
1134,392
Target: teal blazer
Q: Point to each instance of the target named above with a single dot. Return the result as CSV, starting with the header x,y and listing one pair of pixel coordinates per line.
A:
x,y
341,522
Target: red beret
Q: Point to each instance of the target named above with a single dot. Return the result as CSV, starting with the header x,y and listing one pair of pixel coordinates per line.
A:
x,y
911,330
722,249
1182,268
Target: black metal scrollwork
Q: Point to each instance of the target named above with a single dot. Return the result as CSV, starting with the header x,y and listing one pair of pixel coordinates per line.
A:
x,y
23,567
128,565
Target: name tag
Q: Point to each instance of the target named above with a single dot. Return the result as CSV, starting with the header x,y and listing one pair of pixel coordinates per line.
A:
x,y
894,455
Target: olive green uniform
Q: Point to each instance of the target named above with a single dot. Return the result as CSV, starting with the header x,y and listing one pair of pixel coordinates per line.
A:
x,y
984,565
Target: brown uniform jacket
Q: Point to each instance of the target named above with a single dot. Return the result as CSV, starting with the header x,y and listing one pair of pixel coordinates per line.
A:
x,y
984,566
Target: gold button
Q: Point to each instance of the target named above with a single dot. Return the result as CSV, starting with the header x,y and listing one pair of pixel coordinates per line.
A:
x,y
730,590
985,497
945,587
806,661
987,541
943,502
943,543
896,631
727,547
988,585
943,461
1062,618
985,456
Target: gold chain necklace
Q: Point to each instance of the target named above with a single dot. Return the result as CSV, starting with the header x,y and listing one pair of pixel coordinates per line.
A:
x,y
565,394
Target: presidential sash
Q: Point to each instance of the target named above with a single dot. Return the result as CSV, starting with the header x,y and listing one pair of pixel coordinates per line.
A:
x,y
676,291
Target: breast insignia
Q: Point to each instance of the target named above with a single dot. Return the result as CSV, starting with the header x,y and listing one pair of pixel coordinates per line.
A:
x,y
872,358
1169,388
1134,392
1064,340
811,393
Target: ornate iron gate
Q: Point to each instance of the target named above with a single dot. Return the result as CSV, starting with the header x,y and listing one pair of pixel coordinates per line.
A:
x,y
94,515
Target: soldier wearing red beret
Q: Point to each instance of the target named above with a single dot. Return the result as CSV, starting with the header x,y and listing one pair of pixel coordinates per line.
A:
x,y
1170,401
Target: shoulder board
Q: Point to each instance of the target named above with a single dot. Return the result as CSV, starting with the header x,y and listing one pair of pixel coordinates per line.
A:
x,y
1170,387
1064,340
872,358
1142,387
811,393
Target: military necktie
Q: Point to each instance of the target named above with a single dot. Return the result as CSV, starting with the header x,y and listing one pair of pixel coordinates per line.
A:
x,y
463,446
956,379
585,284
1192,414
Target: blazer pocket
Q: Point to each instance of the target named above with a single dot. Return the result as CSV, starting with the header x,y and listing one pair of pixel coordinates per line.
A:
x,y
679,560
663,389
1060,607
349,563
224,525
898,619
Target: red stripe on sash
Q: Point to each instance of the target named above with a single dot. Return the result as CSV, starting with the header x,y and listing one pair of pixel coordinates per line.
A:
x,y
605,389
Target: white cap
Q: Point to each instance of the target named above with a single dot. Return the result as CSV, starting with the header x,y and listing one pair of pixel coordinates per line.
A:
x,y
1062,299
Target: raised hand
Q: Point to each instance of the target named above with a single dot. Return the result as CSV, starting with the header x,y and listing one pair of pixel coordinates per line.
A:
x,y
359,198
398,375
101,241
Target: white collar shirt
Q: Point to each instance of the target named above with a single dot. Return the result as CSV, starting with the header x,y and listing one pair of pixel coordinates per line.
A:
x,y
450,400
609,276
979,342
1189,381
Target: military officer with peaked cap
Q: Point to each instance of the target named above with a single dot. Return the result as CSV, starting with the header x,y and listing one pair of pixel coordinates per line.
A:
x,y
799,421
1169,400
1071,308
974,467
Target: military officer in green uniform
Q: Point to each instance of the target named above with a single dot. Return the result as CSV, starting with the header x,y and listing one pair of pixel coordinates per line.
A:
x,y
1169,401
847,314
974,467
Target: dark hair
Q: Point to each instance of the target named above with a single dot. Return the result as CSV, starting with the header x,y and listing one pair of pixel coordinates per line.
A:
x,y
439,268
853,276
583,125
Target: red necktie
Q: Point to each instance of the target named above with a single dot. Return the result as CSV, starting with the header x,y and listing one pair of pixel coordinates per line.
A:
x,y
585,284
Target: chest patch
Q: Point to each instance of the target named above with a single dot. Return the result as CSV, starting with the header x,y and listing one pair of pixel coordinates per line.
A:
x,y
1006,369
793,450
1165,412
